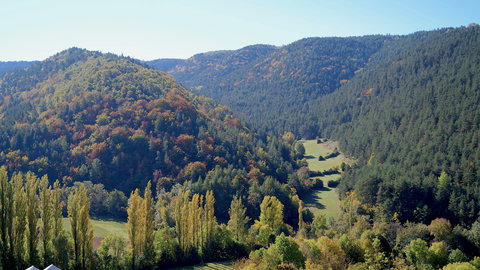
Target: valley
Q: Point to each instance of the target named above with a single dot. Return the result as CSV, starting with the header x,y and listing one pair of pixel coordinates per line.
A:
x,y
202,157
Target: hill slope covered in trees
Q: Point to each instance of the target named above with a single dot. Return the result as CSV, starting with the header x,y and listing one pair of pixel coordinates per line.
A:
x,y
411,115
82,115
267,84
406,105
14,65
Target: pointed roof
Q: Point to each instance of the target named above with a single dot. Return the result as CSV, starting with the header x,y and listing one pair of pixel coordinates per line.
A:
x,y
32,268
52,267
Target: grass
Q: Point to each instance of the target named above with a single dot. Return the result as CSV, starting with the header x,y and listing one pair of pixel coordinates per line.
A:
x,y
314,150
325,200
102,228
207,266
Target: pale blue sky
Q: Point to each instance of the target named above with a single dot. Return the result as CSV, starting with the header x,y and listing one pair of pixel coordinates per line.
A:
x,y
34,30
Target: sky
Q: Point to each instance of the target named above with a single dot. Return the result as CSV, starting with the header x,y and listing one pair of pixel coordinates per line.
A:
x,y
147,30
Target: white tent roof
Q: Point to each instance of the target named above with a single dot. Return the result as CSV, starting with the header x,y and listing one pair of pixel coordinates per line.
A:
x,y
52,267
32,268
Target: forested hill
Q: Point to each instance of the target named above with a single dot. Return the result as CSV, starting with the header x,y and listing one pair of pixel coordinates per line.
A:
x,y
14,65
408,106
413,114
266,84
206,70
82,115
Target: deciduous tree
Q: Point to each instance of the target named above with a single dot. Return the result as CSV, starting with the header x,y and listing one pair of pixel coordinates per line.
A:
x,y
238,221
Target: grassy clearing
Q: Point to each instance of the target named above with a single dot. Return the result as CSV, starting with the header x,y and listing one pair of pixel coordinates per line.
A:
x,y
101,228
208,266
325,200
314,150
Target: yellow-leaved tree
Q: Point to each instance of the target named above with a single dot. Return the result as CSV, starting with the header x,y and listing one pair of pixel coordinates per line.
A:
x,y
82,230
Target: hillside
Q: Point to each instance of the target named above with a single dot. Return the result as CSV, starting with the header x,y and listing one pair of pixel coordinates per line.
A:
x,y
406,105
82,115
411,115
266,84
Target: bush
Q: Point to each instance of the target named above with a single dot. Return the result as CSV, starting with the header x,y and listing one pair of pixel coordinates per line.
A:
x,y
331,171
315,174
317,183
332,183
332,155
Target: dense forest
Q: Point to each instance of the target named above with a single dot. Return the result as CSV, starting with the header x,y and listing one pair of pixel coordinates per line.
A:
x,y
409,116
87,116
14,65
408,108
82,115
265,84
81,129
412,116
165,230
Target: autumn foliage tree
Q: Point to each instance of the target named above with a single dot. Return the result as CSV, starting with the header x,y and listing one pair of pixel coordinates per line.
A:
x,y
140,227
271,213
82,230
195,222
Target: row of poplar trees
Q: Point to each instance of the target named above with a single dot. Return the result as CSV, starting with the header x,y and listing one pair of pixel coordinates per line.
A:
x,y
32,230
194,224
31,227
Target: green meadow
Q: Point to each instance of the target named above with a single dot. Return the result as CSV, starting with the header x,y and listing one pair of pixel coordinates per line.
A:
x,y
324,200
102,228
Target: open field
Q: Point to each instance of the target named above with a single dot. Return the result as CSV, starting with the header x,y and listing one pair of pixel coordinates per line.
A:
x,y
314,150
208,266
102,228
323,200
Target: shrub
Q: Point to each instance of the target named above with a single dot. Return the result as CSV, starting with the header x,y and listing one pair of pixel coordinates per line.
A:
x,y
332,183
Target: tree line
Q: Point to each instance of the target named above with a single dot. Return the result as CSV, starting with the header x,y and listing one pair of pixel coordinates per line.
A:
x,y
32,228
181,228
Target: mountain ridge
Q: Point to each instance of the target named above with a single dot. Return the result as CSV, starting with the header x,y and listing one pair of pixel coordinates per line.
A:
x,y
82,115
268,82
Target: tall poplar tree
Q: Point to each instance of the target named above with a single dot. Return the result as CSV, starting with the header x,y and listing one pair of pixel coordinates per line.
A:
x,y
181,219
31,183
57,209
6,221
86,229
301,224
195,222
238,221
209,219
135,226
46,213
60,237
20,219
149,224
73,210
82,231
